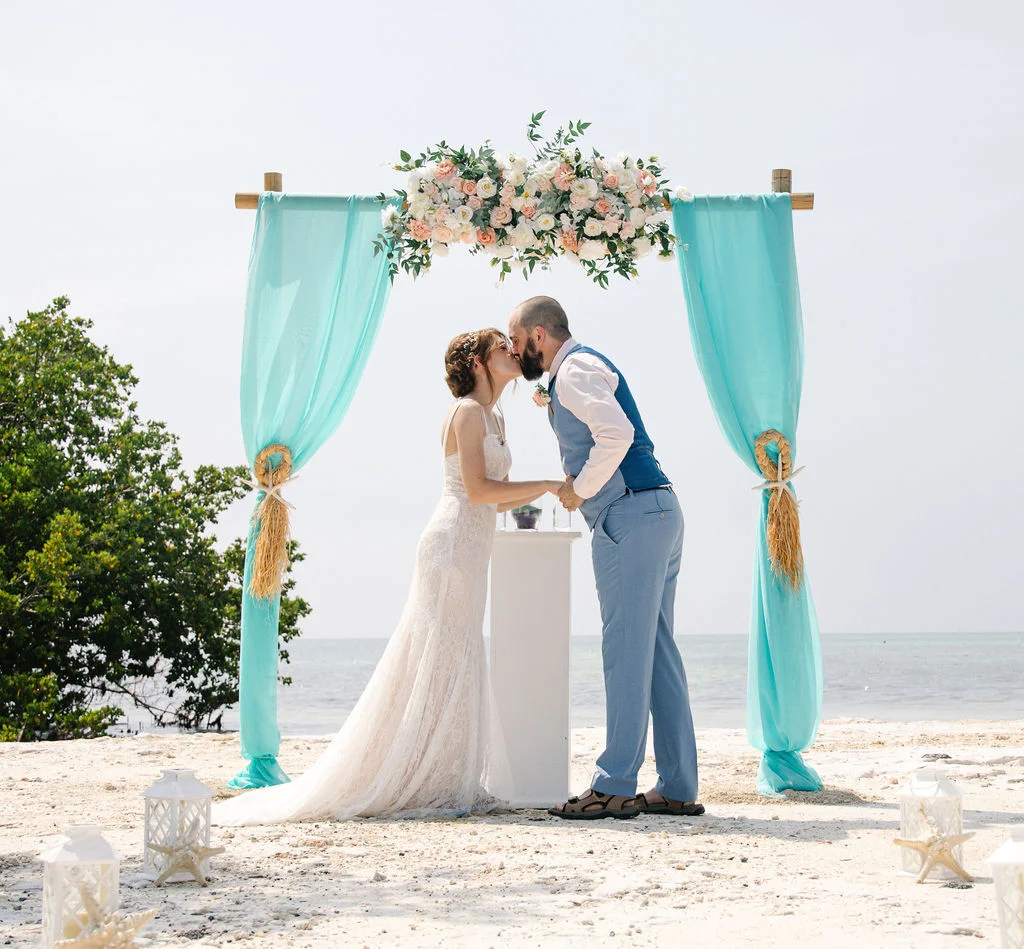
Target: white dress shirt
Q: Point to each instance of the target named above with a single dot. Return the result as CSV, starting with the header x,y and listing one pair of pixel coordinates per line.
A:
x,y
585,385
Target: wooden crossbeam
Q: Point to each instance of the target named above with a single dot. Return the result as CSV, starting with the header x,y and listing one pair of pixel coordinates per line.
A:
x,y
782,181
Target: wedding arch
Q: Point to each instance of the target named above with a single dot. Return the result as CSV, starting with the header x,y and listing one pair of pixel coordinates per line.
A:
x,y
320,271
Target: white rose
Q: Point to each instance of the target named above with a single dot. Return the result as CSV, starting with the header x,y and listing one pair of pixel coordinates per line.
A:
x,y
593,188
420,206
504,251
486,188
593,250
684,194
578,187
522,236
515,177
544,222
440,250
501,160
531,186
637,217
626,159
565,221
549,168
388,215
516,204
627,181
517,162
593,227
463,214
600,164
642,247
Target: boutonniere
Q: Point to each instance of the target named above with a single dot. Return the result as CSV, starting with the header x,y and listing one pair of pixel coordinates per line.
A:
x,y
541,396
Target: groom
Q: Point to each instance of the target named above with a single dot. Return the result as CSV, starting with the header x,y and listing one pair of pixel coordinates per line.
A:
x,y
629,504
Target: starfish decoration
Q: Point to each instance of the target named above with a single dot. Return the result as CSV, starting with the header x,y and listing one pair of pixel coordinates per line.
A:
x,y
185,859
938,850
106,932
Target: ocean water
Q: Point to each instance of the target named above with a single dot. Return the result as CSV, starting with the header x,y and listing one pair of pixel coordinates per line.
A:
x,y
907,677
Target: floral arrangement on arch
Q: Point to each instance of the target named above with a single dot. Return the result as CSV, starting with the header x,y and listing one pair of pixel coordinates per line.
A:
x,y
605,214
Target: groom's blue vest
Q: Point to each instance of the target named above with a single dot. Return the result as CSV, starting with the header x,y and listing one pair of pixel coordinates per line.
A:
x,y
639,469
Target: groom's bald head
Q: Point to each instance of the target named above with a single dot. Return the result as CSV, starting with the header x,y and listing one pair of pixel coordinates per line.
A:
x,y
545,312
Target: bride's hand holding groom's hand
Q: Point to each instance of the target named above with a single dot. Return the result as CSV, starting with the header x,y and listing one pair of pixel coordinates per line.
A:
x,y
568,496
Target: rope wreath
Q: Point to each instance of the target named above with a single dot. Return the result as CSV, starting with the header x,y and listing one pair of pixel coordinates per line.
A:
x,y
270,559
783,529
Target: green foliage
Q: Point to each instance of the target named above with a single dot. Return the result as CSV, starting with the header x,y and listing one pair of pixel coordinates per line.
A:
x,y
110,580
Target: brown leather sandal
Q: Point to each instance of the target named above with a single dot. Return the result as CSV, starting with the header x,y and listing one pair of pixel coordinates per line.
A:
x,y
667,806
593,805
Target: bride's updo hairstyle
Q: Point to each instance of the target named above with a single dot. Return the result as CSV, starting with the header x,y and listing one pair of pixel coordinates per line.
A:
x,y
458,359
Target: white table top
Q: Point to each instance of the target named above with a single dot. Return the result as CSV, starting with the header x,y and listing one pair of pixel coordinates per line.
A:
x,y
535,536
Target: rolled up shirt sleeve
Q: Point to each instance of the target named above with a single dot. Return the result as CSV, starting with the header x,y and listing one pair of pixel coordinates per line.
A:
x,y
586,387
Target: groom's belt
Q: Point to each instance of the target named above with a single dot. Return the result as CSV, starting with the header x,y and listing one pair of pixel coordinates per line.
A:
x,y
657,487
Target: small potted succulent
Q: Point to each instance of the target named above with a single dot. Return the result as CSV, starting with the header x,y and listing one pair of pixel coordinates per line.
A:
x,y
526,516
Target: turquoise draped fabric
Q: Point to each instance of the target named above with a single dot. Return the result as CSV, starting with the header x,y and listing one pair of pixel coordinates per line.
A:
x,y
738,264
313,306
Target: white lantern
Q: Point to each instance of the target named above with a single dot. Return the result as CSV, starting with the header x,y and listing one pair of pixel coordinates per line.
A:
x,y
80,883
930,807
1008,872
177,831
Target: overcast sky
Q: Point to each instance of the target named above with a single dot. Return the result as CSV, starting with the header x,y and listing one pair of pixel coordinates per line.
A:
x,y
127,127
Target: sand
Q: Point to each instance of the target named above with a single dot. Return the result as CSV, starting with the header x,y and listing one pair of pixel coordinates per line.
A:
x,y
809,869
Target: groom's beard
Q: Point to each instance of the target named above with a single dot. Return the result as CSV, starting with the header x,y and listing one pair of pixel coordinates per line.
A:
x,y
530,362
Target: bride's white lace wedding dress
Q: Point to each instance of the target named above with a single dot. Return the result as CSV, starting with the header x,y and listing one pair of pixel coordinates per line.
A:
x,y
424,737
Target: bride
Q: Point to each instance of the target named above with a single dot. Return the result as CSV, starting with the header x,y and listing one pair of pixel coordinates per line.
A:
x,y
423,737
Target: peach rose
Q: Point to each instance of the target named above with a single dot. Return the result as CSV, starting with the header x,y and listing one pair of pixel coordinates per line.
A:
x,y
579,202
456,184
446,169
627,231
528,210
420,230
468,236
611,180
543,184
501,216
442,233
602,206
485,236
469,186
569,241
475,202
611,225
633,198
507,193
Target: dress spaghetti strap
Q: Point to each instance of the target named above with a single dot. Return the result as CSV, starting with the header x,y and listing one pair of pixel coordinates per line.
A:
x,y
447,427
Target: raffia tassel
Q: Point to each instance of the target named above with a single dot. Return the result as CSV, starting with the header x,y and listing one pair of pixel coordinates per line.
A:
x,y
270,559
783,528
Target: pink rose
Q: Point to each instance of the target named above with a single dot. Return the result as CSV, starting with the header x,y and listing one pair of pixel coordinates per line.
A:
x,y
446,169
442,233
420,230
627,231
501,216
602,206
528,210
633,198
485,236
611,180
569,241
543,184
469,186
475,202
579,202
611,225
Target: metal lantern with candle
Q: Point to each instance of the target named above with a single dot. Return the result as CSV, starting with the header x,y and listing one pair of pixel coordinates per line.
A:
x,y
1008,873
80,883
931,826
177,828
